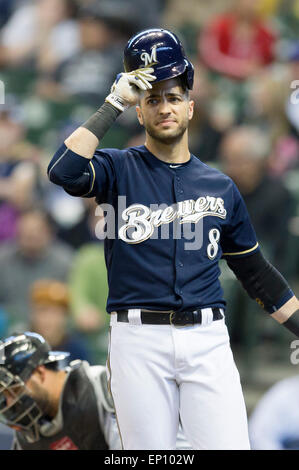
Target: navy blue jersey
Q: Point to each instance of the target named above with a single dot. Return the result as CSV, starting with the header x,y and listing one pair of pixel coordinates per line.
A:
x,y
153,262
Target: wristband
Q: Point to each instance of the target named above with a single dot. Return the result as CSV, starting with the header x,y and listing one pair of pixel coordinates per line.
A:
x,y
117,102
102,120
292,323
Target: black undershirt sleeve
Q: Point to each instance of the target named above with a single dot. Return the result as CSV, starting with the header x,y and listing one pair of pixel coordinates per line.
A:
x,y
264,284
292,323
101,121
261,280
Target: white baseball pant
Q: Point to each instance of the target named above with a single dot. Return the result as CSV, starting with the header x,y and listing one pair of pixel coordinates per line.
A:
x,y
160,374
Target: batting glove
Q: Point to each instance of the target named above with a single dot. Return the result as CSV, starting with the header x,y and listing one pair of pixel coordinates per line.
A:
x,y
127,86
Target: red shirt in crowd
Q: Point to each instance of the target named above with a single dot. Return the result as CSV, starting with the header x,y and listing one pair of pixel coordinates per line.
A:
x,y
236,48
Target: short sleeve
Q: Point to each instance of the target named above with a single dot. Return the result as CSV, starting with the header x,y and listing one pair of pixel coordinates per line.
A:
x,y
80,176
238,237
103,169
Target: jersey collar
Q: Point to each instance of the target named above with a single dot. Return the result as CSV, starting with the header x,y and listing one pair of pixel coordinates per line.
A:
x,y
171,166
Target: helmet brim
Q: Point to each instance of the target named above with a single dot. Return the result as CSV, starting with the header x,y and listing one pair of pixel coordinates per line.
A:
x,y
169,71
56,356
173,70
57,360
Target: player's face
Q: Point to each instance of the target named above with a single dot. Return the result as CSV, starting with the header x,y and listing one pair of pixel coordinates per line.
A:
x,y
12,394
33,389
165,111
11,406
39,393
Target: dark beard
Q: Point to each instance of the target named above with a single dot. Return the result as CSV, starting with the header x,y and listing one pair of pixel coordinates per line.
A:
x,y
167,140
43,401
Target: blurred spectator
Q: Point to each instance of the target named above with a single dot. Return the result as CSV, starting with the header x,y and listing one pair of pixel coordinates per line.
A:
x,y
18,171
196,13
83,231
245,152
41,32
237,44
74,218
274,423
269,107
130,16
213,117
45,32
267,93
89,291
35,254
68,215
91,71
49,314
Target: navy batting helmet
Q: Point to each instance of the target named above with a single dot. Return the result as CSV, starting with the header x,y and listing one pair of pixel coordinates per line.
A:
x,y
20,355
162,50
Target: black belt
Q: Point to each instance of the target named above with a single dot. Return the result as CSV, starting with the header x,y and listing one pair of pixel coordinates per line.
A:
x,y
191,317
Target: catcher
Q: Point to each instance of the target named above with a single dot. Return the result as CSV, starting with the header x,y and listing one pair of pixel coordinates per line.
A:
x,y
52,406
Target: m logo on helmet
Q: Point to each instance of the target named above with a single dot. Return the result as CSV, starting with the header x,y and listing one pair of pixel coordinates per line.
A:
x,y
149,59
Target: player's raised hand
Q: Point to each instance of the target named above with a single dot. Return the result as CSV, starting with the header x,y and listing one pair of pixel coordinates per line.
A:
x,y
127,86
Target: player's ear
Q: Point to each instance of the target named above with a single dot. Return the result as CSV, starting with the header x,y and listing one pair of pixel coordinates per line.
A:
x,y
139,115
191,109
38,374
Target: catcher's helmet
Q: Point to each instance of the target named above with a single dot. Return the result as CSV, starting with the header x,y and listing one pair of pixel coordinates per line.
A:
x,y
20,355
162,50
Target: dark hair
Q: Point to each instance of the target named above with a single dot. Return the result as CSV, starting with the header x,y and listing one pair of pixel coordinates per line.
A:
x,y
54,366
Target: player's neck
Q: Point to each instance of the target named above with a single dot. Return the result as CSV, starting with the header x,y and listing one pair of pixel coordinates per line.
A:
x,y
177,152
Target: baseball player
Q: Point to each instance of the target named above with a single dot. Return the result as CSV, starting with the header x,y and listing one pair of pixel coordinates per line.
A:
x,y
169,355
52,407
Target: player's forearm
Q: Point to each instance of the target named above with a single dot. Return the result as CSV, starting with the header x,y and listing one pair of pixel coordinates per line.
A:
x,y
86,138
286,311
262,281
269,288
69,166
83,142
124,94
288,315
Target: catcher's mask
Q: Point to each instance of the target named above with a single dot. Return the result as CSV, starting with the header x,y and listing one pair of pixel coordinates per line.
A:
x,y
20,355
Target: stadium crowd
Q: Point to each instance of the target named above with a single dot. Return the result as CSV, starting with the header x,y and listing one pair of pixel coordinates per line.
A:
x,y
58,59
